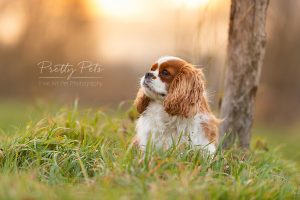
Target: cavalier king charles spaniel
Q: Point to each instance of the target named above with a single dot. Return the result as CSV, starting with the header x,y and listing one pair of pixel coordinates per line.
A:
x,y
173,107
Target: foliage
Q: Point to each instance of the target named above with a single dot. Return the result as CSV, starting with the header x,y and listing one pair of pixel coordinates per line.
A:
x,y
89,155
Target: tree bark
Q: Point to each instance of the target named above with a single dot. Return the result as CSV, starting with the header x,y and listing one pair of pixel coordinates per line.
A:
x,y
245,53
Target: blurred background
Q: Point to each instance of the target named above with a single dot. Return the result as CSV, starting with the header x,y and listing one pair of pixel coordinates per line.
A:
x,y
123,38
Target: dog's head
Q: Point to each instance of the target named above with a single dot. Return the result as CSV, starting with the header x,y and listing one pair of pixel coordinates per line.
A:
x,y
177,84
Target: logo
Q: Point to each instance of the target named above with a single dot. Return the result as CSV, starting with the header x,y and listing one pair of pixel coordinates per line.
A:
x,y
83,74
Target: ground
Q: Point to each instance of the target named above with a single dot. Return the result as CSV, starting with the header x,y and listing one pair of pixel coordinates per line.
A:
x,y
73,153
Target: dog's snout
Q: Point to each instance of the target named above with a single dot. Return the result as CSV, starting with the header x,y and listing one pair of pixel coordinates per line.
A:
x,y
149,75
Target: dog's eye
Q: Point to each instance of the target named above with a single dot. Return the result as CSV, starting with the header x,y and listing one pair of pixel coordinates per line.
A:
x,y
165,72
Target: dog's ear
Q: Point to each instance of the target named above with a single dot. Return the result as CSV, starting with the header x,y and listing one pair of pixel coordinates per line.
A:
x,y
185,96
141,101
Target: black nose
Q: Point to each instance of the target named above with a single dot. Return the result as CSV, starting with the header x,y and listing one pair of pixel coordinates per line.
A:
x,y
149,75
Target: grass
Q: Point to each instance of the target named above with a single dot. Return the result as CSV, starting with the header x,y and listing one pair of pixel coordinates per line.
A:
x,y
88,155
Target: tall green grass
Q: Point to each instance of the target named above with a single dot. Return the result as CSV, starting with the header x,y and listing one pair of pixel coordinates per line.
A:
x,y
89,155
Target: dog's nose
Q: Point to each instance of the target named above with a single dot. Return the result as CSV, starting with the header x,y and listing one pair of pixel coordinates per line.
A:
x,y
149,75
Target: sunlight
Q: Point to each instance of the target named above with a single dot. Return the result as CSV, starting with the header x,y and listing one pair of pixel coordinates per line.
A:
x,y
192,3
129,8
12,26
116,8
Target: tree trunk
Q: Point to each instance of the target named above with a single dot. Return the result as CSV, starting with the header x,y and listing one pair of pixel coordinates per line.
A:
x,y
245,53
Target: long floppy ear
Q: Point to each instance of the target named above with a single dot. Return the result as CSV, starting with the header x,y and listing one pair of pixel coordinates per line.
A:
x,y
185,97
141,101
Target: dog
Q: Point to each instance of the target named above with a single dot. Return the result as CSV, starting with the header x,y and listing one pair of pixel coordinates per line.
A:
x,y
173,107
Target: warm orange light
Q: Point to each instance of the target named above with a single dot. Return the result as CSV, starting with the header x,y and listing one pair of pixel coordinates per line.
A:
x,y
129,8
117,8
192,3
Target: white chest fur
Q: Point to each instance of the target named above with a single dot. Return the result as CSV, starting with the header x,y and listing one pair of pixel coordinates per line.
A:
x,y
165,130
